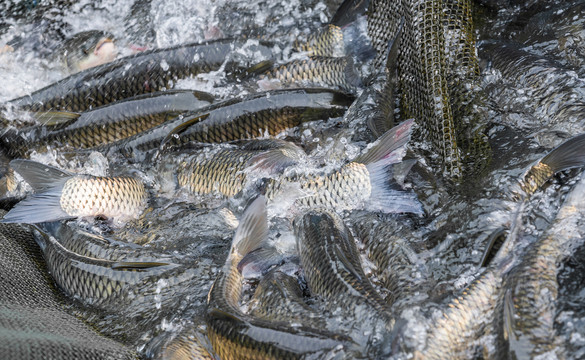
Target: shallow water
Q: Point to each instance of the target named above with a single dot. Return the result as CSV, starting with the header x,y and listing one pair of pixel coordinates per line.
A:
x,y
198,230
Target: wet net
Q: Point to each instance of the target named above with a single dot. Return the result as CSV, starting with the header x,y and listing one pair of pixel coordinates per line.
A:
x,y
438,75
34,323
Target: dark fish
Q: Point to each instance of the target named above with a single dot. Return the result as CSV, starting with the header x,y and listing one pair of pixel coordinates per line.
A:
x,y
279,297
87,49
225,172
465,320
364,182
336,72
63,195
333,270
388,247
553,98
104,125
235,335
107,284
248,118
526,310
145,72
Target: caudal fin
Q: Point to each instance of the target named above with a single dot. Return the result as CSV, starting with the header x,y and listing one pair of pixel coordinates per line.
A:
x,y
253,228
390,144
45,205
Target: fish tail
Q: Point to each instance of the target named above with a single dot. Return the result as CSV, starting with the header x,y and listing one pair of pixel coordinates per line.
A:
x,y
253,228
45,205
569,154
387,195
390,145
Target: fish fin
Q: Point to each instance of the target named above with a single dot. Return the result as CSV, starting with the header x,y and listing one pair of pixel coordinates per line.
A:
x,y
356,41
187,101
257,262
182,127
277,159
348,11
402,169
137,265
56,118
254,70
494,243
253,228
351,75
388,143
387,196
508,315
40,176
37,208
393,47
568,155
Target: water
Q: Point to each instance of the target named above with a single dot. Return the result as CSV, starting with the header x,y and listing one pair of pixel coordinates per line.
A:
x,y
198,230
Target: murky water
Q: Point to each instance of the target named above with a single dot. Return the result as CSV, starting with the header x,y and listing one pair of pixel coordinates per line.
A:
x,y
449,239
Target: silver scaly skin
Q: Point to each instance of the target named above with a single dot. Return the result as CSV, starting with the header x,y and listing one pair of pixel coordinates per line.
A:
x,y
333,270
235,335
86,195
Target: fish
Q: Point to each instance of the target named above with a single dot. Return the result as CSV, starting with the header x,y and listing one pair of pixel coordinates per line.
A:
x,y
145,72
107,124
63,195
554,98
87,49
526,309
240,119
393,253
570,154
190,344
105,284
333,270
466,317
328,41
363,183
336,72
236,335
279,297
226,171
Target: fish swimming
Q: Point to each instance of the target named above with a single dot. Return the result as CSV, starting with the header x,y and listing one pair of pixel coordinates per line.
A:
x,y
332,268
235,335
63,195
104,125
138,74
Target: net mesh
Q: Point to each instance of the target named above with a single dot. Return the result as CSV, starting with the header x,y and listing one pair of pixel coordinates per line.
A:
x,y
438,76
33,321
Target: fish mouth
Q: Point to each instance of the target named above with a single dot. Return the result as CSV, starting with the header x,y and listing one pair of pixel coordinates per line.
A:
x,y
101,43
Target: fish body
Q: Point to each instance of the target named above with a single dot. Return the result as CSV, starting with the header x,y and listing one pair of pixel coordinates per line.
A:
x,y
104,125
225,172
252,117
333,72
333,271
526,310
328,41
142,73
62,195
278,297
235,335
392,254
102,283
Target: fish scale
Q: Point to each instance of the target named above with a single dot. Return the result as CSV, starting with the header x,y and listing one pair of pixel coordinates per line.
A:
x,y
327,41
111,197
130,76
